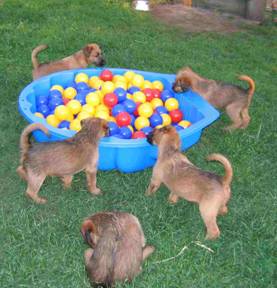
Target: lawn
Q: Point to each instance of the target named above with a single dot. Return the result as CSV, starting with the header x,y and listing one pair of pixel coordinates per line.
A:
x,y
41,246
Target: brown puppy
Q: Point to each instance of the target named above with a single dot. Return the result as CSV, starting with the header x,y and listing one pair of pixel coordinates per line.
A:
x,y
62,159
185,180
118,247
90,54
235,100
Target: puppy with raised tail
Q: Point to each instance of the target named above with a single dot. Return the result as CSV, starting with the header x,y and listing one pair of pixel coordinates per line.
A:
x,y
185,180
62,159
90,54
234,99
117,247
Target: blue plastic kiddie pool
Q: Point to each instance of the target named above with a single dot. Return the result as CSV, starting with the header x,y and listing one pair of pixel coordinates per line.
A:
x,y
125,155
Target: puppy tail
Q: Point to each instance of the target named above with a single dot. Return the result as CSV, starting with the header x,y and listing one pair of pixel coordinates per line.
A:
x,y
251,88
25,135
86,230
227,178
35,52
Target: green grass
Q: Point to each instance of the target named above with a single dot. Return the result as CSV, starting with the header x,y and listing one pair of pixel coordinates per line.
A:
x,y
40,246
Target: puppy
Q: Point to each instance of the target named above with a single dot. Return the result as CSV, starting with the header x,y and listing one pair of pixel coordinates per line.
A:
x,y
62,159
117,247
90,54
184,180
235,100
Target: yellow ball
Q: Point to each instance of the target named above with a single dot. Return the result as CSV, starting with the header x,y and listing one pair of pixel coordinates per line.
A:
x,y
120,84
139,97
39,115
83,115
93,98
63,113
184,123
171,104
95,82
57,87
107,87
145,110
166,119
156,102
119,78
102,107
111,119
52,120
89,109
158,85
129,75
129,96
147,84
69,93
74,106
141,122
137,80
159,126
131,128
75,125
102,114
81,77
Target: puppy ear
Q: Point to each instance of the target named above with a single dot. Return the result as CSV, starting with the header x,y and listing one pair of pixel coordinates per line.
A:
x,y
87,50
186,80
87,231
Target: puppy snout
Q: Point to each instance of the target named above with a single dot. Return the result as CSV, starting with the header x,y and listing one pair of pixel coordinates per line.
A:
x,y
150,138
176,87
100,62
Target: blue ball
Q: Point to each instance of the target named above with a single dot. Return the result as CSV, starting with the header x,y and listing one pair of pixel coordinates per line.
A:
x,y
147,130
54,102
161,110
71,84
55,94
44,109
117,109
178,127
81,86
166,94
156,120
133,89
64,124
118,136
125,132
121,94
81,97
130,105
133,119
113,128
41,99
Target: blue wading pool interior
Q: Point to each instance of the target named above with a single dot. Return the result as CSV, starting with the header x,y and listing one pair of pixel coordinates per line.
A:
x,y
125,155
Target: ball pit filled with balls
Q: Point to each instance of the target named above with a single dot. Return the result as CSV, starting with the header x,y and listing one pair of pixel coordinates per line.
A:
x,y
133,103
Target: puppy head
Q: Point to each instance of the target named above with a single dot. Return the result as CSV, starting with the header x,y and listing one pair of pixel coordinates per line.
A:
x,y
183,80
93,54
95,127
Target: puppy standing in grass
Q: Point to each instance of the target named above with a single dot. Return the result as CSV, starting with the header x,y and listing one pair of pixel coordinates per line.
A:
x,y
90,54
118,247
235,100
185,180
62,159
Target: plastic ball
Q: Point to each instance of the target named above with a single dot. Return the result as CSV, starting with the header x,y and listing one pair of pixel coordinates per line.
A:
x,y
111,119
64,125
121,94
75,125
74,106
166,94
95,82
81,77
57,87
93,98
63,113
113,128
133,119
106,75
131,128
110,100
129,96
158,85
145,110
166,119
44,109
83,115
129,75
171,104
123,119
120,84
42,100
136,111
52,120
156,120
70,93
176,115
81,97
89,108
133,89
156,102
55,94
54,102
107,87
161,110
178,127
137,80
138,135
156,93
184,123
141,122
81,86
102,107
118,109
40,115
130,105
125,132
148,94
119,78
147,85
139,97
102,114
147,130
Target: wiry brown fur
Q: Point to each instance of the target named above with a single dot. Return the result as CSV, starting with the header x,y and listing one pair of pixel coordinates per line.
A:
x,y
90,54
117,247
185,180
62,159
234,99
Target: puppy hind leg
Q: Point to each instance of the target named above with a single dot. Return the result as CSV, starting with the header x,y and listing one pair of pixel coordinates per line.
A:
x,y
153,187
91,182
233,111
245,118
21,172
147,251
34,184
67,180
173,198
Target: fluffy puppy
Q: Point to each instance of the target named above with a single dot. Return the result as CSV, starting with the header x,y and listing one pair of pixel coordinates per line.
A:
x,y
184,180
90,54
234,99
62,159
117,247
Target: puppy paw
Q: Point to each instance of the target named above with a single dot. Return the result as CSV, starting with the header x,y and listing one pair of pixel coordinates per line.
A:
x,y
173,199
95,191
38,200
212,236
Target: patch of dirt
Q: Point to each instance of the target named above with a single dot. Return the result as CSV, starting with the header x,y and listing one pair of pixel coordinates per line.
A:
x,y
199,20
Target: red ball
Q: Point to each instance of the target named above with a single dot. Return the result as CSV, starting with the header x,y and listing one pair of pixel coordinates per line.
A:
x,y
136,111
176,115
66,100
138,134
123,119
110,100
156,93
106,75
148,93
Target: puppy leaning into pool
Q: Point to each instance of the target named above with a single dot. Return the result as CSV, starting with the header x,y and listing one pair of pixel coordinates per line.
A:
x,y
62,159
184,180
